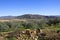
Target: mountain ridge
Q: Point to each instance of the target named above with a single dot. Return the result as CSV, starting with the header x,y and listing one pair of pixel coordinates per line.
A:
x,y
29,16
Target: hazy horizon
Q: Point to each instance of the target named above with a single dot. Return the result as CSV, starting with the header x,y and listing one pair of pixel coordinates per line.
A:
x,y
21,7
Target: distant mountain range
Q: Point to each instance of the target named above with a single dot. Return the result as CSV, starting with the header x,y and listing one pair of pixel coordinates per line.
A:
x,y
29,16
7,17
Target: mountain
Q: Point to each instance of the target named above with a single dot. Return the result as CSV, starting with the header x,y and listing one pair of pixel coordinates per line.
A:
x,y
29,16
7,17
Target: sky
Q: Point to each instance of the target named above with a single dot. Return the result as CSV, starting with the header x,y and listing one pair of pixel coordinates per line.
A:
x,y
20,7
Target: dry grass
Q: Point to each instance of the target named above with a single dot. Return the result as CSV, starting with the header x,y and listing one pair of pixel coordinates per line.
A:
x,y
2,20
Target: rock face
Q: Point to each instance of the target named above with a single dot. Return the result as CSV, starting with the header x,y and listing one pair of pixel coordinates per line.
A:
x,y
31,35
27,34
1,37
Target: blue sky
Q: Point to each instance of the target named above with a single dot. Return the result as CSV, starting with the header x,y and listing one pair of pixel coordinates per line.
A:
x,y
20,7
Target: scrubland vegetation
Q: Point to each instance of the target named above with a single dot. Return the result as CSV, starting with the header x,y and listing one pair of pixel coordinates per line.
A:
x,y
28,30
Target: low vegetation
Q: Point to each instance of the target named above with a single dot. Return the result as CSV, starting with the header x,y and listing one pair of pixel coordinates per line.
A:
x,y
27,30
